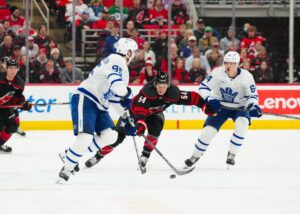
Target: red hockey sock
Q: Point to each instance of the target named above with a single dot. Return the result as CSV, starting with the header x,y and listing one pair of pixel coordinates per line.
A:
x,y
153,140
4,136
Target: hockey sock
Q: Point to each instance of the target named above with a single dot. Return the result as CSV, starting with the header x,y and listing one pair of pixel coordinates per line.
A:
x,y
147,147
238,136
4,136
94,146
75,151
204,140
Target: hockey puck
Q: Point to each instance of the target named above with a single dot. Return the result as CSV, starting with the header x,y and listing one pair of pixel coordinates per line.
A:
x,y
172,176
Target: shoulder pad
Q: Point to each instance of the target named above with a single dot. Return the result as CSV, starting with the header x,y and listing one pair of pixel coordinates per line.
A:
x,y
149,91
172,94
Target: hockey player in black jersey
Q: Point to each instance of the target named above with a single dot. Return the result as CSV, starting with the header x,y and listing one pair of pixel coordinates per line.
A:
x,y
147,109
11,93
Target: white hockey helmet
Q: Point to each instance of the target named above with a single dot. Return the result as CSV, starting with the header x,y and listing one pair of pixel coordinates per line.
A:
x,y
232,56
124,45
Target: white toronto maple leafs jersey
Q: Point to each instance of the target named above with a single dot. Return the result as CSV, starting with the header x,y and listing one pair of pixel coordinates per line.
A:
x,y
232,92
107,83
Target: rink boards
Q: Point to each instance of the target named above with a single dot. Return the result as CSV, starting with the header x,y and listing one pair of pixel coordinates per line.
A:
x,y
279,99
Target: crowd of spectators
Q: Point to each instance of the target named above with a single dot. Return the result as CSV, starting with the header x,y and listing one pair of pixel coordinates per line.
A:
x,y
195,52
46,63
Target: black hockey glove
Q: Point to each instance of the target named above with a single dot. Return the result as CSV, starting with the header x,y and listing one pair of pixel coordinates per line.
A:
x,y
26,106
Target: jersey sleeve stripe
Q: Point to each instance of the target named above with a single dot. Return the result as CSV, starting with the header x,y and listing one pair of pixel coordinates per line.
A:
x,y
113,74
114,81
114,101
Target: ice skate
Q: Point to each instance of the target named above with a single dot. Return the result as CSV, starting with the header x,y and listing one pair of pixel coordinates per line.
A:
x,y
230,160
5,149
190,162
64,175
21,132
143,162
93,160
62,156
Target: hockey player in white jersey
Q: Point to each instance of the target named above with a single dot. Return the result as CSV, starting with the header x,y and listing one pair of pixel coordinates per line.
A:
x,y
228,86
92,124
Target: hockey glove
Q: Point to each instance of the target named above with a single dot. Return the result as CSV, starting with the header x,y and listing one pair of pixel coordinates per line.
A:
x,y
214,103
125,127
26,106
141,127
126,101
254,110
208,110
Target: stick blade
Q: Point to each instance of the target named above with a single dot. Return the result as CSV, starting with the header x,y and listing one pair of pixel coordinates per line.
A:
x,y
183,171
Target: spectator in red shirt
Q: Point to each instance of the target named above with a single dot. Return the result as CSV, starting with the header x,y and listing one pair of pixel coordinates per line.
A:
x,y
244,56
50,74
158,13
179,74
147,73
249,41
101,23
16,21
136,37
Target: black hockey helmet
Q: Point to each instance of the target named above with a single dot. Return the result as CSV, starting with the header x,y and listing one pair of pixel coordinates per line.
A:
x,y
11,62
162,77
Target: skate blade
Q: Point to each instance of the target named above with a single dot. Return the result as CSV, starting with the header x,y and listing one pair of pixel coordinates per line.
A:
x,y
61,181
229,167
62,157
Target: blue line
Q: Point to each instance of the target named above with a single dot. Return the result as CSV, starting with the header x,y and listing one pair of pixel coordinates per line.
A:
x,y
235,143
204,89
116,80
199,148
202,142
90,149
95,143
74,153
69,159
114,101
113,74
238,136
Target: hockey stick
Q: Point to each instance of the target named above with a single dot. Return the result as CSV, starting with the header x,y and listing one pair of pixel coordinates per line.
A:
x,y
137,155
265,113
34,104
177,171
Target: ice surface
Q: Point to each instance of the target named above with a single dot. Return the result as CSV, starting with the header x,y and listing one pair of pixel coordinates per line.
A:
x,y
265,180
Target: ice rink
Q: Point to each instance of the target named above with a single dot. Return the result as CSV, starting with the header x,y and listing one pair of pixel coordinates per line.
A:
x,y
266,179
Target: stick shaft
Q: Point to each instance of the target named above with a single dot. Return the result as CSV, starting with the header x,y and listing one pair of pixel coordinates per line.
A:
x,y
265,113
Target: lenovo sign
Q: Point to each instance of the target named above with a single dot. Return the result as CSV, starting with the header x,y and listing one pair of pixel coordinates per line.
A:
x,y
280,101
